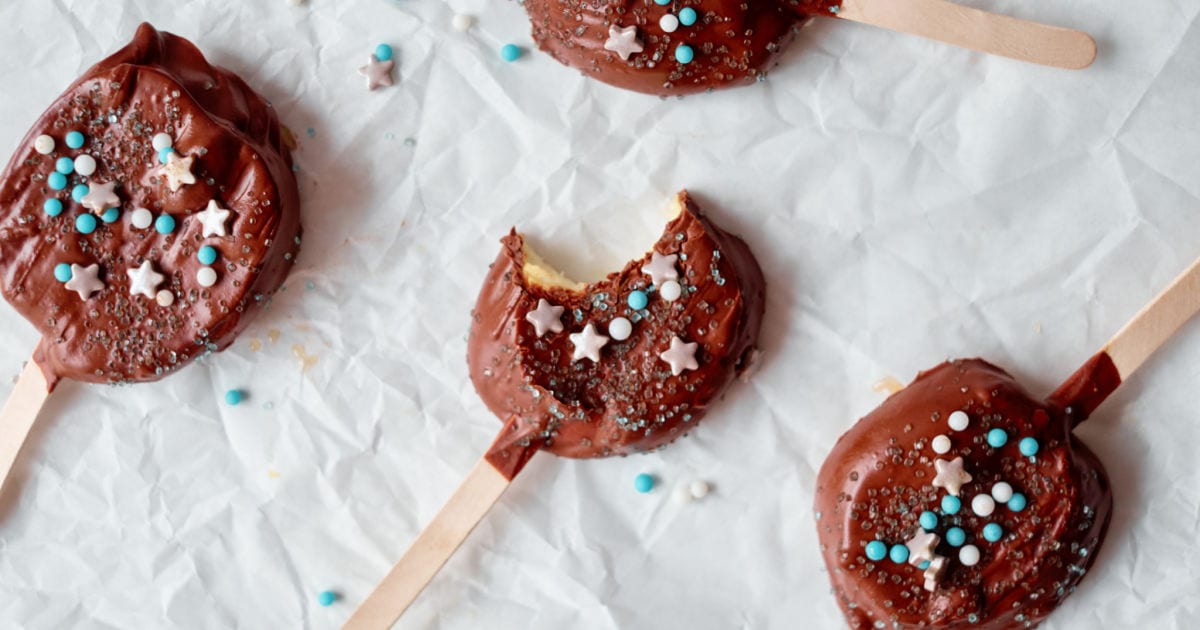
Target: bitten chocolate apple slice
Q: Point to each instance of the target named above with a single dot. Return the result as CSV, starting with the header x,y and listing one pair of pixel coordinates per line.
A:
x,y
149,213
619,366
963,502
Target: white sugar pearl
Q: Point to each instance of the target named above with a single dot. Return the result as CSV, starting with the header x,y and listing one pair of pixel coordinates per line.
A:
x,y
983,505
162,141
669,23
1002,492
959,421
969,555
462,22
670,290
682,494
141,218
699,489
620,329
206,277
941,444
44,144
85,165
164,298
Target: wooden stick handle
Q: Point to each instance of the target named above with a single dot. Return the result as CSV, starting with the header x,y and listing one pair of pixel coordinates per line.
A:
x,y
977,30
432,548
1161,318
18,414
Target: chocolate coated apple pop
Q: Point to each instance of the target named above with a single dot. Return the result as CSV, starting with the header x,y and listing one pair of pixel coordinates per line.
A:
x,y
622,365
677,47
147,215
962,502
619,366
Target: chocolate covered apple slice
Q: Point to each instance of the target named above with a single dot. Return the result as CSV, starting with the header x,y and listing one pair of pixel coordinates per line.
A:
x,y
962,501
623,365
149,213
689,46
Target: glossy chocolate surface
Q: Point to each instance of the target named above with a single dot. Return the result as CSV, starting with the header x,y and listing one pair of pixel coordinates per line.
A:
x,y
734,42
629,401
158,83
877,482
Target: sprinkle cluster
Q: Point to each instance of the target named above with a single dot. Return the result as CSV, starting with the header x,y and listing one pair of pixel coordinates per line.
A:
x,y
101,199
588,342
920,549
625,40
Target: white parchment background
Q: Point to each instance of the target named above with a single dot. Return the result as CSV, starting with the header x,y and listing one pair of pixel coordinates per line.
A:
x,y
909,202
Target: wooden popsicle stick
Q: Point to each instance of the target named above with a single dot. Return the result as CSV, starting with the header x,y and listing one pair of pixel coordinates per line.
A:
x,y
432,548
977,30
1154,324
19,413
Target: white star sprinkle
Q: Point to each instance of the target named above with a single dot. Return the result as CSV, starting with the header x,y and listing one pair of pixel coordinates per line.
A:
x,y
921,546
546,318
101,197
144,280
378,73
85,280
681,356
212,219
623,41
178,171
587,344
934,572
950,475
661,268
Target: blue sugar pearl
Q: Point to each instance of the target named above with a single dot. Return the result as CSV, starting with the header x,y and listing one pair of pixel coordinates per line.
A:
x,y
65,165
929,520
510,52
53,207
662,3
997,438
56,181
898,554
637,300
207,255
643,483
110,215
233,397
326,598
62,272
163,153
992,532
164,224
85,223
955,536
684,54
1017,502
924,565
951,505
75,139
79,192
383,52
876,550
688,16
1029,446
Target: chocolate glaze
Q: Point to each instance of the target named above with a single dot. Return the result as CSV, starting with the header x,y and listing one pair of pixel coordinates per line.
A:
x,y
158,83
629,401
876,483
1089,386
735,41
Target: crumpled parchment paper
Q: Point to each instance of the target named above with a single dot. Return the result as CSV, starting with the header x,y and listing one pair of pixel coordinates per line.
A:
x,y
909,202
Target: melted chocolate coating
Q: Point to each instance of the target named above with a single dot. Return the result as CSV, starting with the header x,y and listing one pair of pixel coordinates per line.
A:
x,y
158,83
735,41
629,401
877,481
